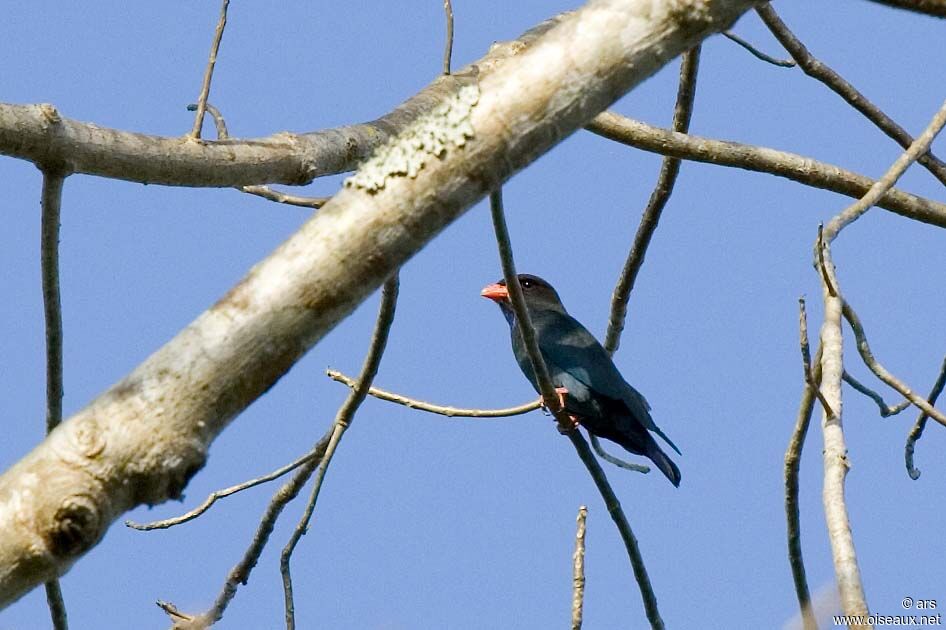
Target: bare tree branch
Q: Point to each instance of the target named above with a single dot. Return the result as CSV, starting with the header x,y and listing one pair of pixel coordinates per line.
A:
x,y
53,179
885,183
448,42
836,463
792,465
917,431
840,86
669,169
262,191
220,494
209,72
240,573
812,379
420,405
611,459
863,347
280,197
343,419
552,402
762,160
936,8
578,570
758,54
885,410
483,132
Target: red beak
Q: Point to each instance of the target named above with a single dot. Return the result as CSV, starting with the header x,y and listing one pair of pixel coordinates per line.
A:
x,y
495,292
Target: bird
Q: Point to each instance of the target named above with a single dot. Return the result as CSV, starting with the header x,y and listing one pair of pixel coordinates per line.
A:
x,y
592,390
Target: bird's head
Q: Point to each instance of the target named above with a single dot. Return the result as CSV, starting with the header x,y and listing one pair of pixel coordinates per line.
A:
x,y
538,293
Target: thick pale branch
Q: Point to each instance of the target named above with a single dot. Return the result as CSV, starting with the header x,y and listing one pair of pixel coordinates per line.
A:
x,y
763,160
836,462
143,439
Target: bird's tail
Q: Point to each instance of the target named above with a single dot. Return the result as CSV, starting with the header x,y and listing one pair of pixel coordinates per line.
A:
x,y
664,463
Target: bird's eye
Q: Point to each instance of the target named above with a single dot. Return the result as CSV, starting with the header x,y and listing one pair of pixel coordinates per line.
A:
x,y
526,284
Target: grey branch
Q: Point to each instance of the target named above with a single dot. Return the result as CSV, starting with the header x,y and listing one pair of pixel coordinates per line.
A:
x,y
448,40
863,347
917,431
669,169
209,72
240,573
839,85
578,570
566,426
420,405
343,419
221,494
936,8
165,414
836,463
758,54
763,160
617,461
53,179
262,191
885,410
812,379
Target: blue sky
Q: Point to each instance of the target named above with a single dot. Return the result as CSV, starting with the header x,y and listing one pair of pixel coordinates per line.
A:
x,y
427,522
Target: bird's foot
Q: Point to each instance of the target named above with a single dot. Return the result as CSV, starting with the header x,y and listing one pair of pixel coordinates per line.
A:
x,y
564,427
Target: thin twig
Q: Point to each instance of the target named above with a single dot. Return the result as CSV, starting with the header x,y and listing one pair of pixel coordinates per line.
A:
x,y
917,431
448,45
836,83
343,419
209,72
550,399
261,191
810,379
624,528
578,570
669,168
220,494
792,466
821,246
280,197
52,305
220,124
420,405
885,410
863,348
553,404
611,459
171,611
51,202
758,54
885,183
240,573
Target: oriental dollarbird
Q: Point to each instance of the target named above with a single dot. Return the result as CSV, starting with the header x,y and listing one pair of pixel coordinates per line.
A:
x,y
592,390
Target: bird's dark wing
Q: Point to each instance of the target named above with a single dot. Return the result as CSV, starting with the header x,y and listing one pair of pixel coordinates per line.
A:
x,y
572,350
